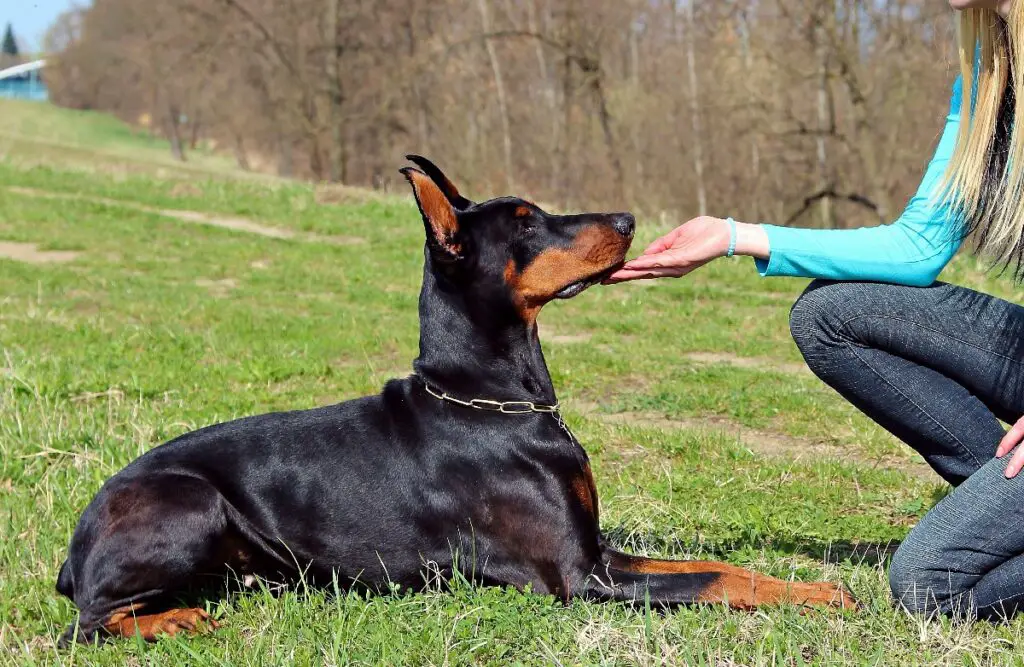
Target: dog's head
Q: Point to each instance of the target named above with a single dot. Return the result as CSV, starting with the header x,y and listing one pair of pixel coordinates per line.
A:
x,y
510,249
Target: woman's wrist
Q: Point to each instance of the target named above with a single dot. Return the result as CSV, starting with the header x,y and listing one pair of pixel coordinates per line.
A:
x,y
742,238
731,249
751,240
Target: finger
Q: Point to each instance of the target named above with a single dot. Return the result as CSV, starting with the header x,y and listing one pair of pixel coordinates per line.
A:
x,y
622,276
663,243
1015,464
625,275
1012,438
659,261
659,246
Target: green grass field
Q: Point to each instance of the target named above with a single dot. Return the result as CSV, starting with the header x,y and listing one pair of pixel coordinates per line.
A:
x,y
140,299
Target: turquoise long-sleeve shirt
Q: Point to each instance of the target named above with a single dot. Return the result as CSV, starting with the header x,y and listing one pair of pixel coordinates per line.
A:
x,y
913,250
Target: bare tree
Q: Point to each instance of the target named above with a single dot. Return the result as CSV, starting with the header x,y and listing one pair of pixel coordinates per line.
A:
x,y
814,112
698,136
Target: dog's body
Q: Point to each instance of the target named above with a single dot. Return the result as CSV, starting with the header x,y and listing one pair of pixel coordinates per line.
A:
x,y
392,488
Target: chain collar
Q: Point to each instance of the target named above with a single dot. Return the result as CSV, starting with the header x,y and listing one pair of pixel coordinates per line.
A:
x,y
504,407
487,405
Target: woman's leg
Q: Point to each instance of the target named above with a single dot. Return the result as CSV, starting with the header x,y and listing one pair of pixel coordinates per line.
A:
x,y
966,557
937,366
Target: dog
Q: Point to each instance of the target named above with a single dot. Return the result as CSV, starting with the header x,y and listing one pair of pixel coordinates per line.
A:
x,y
463,467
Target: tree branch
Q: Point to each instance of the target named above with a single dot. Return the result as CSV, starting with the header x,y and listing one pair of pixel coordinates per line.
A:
x,y
831,193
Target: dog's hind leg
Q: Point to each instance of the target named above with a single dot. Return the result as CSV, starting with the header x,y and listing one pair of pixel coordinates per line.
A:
x,y
140,542
668,583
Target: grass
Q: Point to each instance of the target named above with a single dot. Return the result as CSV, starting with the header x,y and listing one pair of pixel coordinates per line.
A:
x,y
159,327
91,140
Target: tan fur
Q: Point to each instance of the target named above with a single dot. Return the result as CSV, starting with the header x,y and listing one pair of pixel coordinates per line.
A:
x,y
437,210
597,248
742,589
125,622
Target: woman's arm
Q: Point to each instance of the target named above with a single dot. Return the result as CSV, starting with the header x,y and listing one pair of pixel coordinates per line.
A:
x,y
912,251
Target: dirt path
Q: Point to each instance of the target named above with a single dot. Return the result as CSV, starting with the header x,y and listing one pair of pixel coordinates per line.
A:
x,y
755,363
552,334
764,443
30,253
196,217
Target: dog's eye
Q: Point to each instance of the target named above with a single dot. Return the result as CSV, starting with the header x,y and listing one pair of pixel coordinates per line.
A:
x,y
526,219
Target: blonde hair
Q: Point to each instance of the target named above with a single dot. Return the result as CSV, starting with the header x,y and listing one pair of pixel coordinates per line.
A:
x,y
984,181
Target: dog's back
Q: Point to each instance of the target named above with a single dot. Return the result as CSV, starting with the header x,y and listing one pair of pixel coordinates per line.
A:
x,y
369,490
282,479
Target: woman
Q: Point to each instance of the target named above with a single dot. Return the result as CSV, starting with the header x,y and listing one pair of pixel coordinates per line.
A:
x,y
937,365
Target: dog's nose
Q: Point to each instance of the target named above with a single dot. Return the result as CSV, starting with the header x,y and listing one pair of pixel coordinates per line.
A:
x,y
625,224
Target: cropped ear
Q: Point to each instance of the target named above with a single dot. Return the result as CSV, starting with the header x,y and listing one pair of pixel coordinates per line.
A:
x,y
447,187
439,217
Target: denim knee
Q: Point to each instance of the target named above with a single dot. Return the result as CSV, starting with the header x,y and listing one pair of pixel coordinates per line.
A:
x,y
816,319
921,585
911,584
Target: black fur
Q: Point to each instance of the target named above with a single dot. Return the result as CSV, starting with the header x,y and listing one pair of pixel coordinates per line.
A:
x,y
383,488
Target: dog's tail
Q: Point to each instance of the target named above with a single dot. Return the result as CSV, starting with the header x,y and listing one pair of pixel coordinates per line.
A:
x,y
66,581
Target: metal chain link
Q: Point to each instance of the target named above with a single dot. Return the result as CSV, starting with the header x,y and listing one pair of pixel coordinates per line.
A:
x,y
506,407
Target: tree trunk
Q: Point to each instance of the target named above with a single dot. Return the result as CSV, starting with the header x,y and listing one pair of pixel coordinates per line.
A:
x,y
698,139
755,140
241,157
635,125
824,127
609,138
174,132
285,157
194,125
499,84
565,185
861,112
550,96
422,112
336,150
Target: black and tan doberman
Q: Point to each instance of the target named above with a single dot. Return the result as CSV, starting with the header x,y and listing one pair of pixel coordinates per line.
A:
x,y
464,465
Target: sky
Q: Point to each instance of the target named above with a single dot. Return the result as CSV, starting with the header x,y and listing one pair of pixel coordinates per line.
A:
x,y
31,18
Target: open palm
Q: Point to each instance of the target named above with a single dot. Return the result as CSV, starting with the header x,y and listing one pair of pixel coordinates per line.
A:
x,y
687,247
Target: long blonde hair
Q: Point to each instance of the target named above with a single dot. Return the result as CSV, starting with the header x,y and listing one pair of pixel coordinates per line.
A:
x,y
984,181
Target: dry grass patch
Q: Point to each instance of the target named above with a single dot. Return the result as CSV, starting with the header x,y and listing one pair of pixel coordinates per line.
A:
x,y
758,441
225,222
31,254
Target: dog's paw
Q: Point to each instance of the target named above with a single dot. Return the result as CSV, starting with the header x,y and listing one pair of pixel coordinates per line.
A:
x,y
190,620
825,594
169,623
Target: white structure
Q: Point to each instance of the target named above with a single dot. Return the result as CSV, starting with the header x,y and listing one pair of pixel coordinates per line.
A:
x,y
23,81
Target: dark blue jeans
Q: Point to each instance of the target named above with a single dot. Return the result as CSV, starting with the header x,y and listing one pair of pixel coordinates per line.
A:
x,y
938,367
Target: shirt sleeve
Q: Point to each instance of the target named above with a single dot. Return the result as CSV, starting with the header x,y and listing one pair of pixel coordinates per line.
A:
x,y
913,250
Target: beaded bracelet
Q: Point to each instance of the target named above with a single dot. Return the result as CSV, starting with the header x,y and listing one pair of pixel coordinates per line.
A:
x,y
732,237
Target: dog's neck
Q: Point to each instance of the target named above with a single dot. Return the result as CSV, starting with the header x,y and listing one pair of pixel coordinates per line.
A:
x,y
473,350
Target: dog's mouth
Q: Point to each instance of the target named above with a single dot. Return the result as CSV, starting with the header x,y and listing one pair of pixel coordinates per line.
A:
x,y
577,287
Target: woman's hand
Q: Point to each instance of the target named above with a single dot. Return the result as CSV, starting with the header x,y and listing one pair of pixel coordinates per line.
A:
x,y
687,247
1013,439
690,246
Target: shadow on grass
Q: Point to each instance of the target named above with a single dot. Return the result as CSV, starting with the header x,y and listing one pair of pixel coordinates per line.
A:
x,y
855,552
826,551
